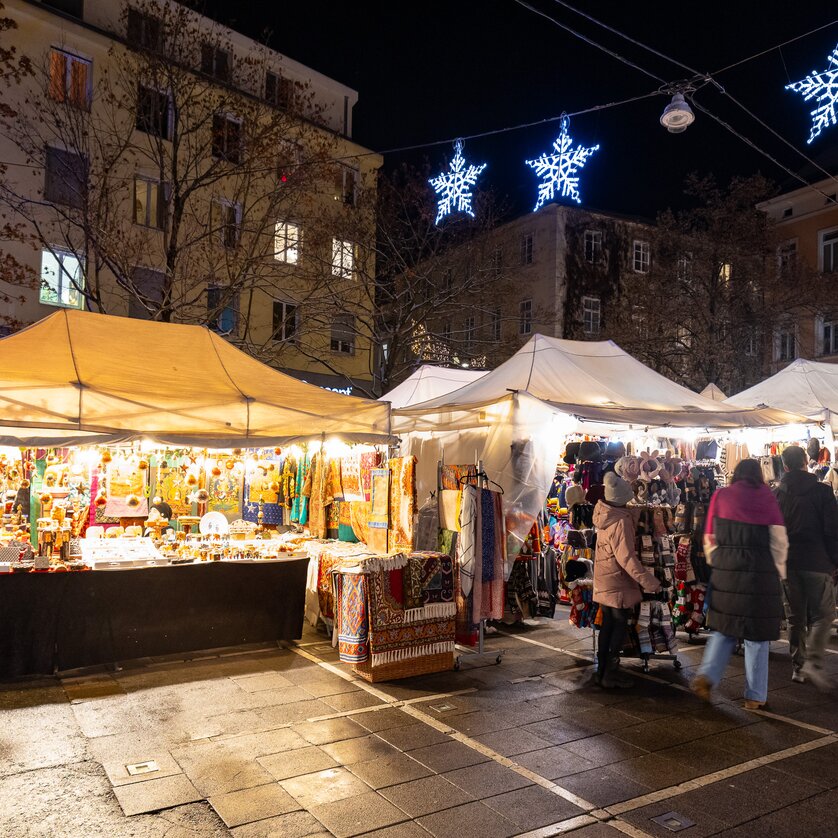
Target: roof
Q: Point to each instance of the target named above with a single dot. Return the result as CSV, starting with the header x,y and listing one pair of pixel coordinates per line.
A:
x,y
429,382
77,377
592,380
714,393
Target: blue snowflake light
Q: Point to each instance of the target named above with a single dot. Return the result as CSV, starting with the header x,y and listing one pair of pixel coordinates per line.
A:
x,y
823,88
454,186
558,171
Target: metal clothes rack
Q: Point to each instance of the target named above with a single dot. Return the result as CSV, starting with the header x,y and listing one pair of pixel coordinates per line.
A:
x,y
468,651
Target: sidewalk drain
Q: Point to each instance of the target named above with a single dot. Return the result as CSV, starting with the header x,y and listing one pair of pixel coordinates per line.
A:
x,y
673,821
147,767
442,708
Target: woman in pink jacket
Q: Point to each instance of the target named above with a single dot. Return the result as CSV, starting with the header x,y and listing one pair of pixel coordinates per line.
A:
x,y
619,577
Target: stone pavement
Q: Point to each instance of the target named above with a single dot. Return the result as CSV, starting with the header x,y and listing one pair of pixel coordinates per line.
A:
x,y
286,743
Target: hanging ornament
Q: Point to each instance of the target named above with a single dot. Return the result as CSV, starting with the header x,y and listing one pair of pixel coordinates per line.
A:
x,y
101,500
230,465
237,452
202,495
558,171
277,451
142,465
191,480
822,86
45,498
216,471
454,186
106,457
274,487
164,464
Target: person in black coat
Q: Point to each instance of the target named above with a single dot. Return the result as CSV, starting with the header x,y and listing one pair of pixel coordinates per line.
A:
x,y
811,515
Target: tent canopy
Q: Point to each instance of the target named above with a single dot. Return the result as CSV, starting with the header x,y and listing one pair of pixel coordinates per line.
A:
x,y
713,392
79,377
594,381
807,387
429,382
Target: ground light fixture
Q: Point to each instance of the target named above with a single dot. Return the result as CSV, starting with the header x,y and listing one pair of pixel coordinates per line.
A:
x,y
677,116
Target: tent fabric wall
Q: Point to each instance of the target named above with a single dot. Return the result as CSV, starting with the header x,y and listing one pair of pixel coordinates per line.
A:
x,y
429,382
714,393
105,378
807,387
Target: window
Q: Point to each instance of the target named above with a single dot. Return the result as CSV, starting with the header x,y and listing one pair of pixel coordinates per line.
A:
x,y
227,138
640,321
787,256
222,310
62,279
70,79
829,251
215,62
289,158
343,258
526,249
468,333
280,91
591,315
69,7
446,331
149,203
287,242
495,326
497,261
725,272
448,280
144,31
785,344
154,112
147,295
286,325
642,256
346,184
788,212
829,345
525,317
683,338
752,344
684,267
229,215
66,177
343,334
593,246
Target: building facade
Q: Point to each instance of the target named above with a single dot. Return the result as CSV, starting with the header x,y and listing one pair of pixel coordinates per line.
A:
x,y
157,164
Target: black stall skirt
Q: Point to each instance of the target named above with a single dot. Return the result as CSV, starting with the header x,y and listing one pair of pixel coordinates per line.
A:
x,y
57,621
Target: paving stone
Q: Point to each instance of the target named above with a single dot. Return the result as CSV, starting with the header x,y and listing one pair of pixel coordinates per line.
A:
x,y
216,768
473,820
812,817
390,771
385,719
330,730
345,702
415,736
308,760
705,823
357,815
512,741
819,766
558,731
532,807
263,681
85,689
324,786
421,797
408,829
153,795
298,711
486,779
656,771
292,825
254,804
331,685
602,787
448,756
361,749
265,743
552,763
473,724
660,733
603,749
117,770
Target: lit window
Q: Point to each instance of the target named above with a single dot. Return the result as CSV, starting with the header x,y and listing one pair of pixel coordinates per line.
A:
x,y
591,315
148,203
343,258
287,242
343,334
829,251
62,279
286,326
725,272
593,246
525,317
226,138
526,249
642,256
346,184
69,79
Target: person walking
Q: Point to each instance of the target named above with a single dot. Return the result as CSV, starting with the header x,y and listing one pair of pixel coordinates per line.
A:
x,y
745,544
619,577
811,515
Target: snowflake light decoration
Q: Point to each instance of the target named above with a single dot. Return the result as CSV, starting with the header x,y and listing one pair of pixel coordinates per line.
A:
x,y
823,88
558,171
454,186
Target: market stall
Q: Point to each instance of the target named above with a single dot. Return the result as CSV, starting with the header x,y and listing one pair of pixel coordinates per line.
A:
x,y
429,382
162,451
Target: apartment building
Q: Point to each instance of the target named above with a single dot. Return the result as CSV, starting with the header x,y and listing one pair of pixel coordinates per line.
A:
x,y
557,272
156,164
806,223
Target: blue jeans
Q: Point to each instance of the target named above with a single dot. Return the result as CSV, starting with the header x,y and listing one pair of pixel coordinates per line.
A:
x,y
717,653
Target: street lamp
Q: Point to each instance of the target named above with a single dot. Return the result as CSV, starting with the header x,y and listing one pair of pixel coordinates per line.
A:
x,y
677,116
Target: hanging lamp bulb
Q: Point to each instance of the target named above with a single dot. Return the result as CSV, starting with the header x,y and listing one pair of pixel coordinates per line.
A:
x,y
677,116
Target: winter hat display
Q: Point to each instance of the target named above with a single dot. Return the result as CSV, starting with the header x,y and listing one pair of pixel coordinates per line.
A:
x,y
650,467
617,491
574,494
813,448
628,468
571,452
596,492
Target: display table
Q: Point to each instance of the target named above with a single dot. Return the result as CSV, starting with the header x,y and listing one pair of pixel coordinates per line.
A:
x,y
60,621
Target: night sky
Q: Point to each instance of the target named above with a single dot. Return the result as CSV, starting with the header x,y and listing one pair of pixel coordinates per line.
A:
x,y
438,69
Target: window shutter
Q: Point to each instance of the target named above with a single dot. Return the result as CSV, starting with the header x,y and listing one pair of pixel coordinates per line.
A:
x,y
57,75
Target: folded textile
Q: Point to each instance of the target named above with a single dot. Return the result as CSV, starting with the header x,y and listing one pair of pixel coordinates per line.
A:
x,y
353,624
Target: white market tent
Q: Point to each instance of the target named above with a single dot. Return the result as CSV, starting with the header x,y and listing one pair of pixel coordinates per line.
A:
x,y
713,392
515,419
429,382
807,387
77,377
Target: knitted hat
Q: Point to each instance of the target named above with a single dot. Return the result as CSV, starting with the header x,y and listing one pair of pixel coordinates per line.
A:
x,y
596,492
573,495
617,491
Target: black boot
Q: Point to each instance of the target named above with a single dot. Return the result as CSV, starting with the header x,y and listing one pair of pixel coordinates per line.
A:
x,y
613,679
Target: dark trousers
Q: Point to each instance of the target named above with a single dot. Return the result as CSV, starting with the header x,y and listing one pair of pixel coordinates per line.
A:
x,y
810,609
612,634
